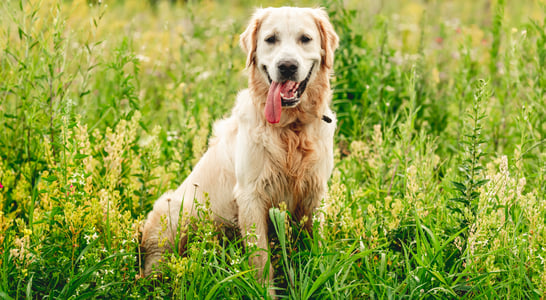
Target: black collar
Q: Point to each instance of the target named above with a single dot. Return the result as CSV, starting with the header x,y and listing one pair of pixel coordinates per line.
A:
x,y
326,119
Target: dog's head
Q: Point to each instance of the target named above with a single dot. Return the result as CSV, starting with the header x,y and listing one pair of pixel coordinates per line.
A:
x,y
286,47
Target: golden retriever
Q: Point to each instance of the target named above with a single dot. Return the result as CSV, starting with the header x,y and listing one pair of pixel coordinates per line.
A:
x,y
277,145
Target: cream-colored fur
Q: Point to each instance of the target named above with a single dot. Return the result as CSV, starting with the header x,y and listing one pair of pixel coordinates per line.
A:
x,y
252,165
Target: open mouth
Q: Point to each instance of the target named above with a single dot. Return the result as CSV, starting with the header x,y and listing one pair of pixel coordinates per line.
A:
x,y
291,90
283,94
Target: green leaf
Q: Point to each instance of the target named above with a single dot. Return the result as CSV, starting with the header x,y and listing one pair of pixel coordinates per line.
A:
x,y
459,186
50,178
461,200
481,182
80,156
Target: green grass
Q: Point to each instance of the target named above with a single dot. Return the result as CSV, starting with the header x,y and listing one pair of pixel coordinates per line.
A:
x,y
439,186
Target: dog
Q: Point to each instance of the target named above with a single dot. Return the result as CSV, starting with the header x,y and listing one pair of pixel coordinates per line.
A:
x,y
277,145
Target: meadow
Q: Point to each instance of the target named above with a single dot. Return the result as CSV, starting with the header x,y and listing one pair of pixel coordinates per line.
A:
x,y
439,188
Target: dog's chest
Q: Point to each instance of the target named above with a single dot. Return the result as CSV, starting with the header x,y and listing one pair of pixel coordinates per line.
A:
x,y
298,168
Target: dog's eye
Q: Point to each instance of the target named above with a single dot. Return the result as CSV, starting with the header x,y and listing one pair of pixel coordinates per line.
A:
x,y
305,39
271,40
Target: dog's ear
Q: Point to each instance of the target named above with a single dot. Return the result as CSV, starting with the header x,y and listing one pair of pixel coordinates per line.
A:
x,y
329,41
248,38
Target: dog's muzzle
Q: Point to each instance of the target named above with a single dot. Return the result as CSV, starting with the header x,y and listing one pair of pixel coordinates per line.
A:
x,y
288,70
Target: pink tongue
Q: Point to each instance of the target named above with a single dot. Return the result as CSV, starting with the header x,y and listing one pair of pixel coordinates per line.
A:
x,y
273,106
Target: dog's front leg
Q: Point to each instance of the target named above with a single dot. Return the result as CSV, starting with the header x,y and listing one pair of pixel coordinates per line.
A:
x,y
253,209
252,219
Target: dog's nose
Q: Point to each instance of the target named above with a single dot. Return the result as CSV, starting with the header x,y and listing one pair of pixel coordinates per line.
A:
x,y
287,68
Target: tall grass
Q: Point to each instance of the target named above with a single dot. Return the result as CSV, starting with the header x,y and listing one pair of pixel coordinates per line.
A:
x,y
438,189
